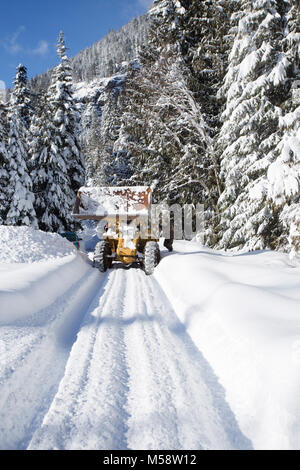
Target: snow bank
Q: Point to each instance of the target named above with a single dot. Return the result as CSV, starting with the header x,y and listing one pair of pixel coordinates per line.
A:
x,y
35,269
26,245
243,313
26,290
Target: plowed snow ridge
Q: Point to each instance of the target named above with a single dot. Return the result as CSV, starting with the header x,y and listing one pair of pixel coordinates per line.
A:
x,y
35,350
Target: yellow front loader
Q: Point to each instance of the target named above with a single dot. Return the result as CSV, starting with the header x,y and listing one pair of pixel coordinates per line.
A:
x,y
124,213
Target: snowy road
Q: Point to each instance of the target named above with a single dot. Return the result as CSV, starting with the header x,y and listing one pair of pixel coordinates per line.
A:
x,y
134,379
204,354
130,379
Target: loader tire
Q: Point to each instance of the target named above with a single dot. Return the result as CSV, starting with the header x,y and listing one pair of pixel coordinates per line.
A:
x,y
102,250
152,257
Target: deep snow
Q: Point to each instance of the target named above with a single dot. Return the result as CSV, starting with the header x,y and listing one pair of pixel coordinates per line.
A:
x,y
26,245
243,312
203,354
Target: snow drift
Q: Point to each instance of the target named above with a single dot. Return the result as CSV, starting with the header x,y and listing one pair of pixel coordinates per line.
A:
x,y
26,245
35,269
243,313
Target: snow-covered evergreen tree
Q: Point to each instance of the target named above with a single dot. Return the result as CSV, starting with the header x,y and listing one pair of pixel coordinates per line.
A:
x,y
91,129
163,26
167,138
118,165
66,116
204,44
56,198
113,165
22,96
19,190
3,163
38,163
284,172
255,87
167,135
61,171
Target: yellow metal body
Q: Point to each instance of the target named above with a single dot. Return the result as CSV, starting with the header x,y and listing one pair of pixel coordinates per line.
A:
x,y
118,244
125,254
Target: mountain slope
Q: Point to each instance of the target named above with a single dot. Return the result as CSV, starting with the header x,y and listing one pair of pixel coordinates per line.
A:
x,y
104,58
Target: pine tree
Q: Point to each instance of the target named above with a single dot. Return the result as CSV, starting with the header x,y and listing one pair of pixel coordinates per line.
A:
x,y
118,165
112,167
171,141
19,191
284,172
255,87
204,45
67,117
56,197
167,138
61,164
38,162
91,129
22,96
164,26
3,163
149,141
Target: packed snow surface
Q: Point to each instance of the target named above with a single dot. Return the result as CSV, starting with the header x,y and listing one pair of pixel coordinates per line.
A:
x,y
204,354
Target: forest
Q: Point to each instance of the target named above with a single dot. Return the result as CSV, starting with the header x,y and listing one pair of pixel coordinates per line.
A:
x,y
199,99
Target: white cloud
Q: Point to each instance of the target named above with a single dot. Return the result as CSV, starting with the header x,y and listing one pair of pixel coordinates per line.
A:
x,y
11,43
41,49
145,3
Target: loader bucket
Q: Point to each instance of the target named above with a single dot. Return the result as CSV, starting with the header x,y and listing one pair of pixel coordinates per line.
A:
x,y
98,203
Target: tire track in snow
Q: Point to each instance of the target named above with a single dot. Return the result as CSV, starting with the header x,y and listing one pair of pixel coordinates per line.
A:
x,y
183,404
88,411
31,375
135,380
154,425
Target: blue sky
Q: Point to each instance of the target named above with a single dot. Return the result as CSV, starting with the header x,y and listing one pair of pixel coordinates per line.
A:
x,y
29,29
